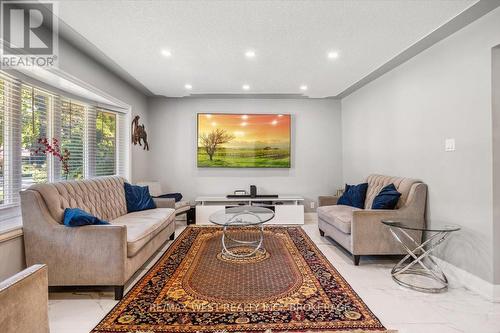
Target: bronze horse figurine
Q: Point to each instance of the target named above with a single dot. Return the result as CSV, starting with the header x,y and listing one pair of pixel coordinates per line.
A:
x,y
139,133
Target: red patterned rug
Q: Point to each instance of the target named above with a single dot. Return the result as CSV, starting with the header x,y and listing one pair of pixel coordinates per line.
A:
x,y
291,287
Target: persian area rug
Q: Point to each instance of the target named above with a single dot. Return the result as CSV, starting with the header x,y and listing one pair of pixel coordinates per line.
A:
x,y
292,287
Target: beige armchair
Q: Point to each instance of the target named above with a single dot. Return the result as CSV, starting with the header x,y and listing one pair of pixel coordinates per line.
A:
x,y
24,301
360,231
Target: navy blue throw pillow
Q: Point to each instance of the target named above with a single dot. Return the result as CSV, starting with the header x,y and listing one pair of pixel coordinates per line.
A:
x,y
354,195
75,217
176,196
387,198
138,198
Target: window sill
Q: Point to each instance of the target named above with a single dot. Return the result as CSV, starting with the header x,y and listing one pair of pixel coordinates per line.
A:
x,y
11,228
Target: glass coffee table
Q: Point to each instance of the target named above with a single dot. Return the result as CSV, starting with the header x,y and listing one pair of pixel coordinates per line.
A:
x,y
417,270
242,217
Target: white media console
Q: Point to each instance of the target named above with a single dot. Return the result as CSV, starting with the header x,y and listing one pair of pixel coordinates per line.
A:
x,y
288,209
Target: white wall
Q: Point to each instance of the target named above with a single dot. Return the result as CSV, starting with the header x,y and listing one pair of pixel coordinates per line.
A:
x,y
496,161
316,148
397,125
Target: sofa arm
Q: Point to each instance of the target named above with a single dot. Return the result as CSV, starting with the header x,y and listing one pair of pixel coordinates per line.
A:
x,y
370,236
327,200
24,301
164,202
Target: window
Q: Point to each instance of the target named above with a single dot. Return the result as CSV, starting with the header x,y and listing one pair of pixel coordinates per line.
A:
x,y
72,137
105,143
94,136
35,106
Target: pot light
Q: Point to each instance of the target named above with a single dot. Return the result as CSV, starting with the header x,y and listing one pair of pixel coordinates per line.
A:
x,y
166,53
250,54
333,55
245,87
188,86
303,87
274,122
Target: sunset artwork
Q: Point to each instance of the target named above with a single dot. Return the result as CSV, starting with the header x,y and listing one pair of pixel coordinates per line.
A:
x,y
243,140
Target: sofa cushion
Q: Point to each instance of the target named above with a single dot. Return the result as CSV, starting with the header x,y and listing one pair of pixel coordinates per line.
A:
x,y
387,198
103,197
182,206
138,198
76,217
354,195
339,216
377,182
143,226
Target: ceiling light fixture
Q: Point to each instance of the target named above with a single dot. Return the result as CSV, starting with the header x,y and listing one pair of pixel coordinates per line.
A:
x,y
188,86
274,122
303,87
250,54
333,55
246,87
166,53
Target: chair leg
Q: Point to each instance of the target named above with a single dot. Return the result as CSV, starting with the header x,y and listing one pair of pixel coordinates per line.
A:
x,y
119,292
356,260
322,233
172,236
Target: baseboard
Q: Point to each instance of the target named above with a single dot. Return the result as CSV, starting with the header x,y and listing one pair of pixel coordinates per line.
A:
x,y
458,277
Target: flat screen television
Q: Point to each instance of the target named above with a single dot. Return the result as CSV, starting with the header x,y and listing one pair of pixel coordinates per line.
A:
x,y
243,140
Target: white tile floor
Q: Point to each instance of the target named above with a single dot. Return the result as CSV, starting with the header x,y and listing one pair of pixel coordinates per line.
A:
x,y
457,310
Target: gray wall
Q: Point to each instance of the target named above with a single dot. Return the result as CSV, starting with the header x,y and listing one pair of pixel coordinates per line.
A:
x,y
83,67
496,161
11,257
397,125
316,148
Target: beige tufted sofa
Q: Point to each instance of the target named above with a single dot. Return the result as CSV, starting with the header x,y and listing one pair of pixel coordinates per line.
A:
x,y
360,231
96,255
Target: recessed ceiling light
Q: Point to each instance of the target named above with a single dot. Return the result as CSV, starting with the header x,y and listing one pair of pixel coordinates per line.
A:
x,y
166,53
303,87
274,122
250,54
188,86
246,87
333,55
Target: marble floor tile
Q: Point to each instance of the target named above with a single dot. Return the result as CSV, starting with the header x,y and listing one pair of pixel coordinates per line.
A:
x,y
408,311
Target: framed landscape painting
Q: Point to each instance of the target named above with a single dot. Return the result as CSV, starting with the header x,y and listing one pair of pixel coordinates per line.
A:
x,y
243,140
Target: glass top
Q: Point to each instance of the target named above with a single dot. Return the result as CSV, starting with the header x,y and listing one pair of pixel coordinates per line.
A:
x,y
242,215
409,225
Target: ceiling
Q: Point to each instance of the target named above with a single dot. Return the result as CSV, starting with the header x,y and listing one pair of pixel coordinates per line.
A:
x,y
291,40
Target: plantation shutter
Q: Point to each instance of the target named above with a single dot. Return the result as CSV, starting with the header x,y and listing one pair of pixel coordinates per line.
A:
x,y
10,140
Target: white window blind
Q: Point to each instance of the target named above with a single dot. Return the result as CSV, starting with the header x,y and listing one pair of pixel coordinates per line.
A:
x,y
73,129
96,138
10,140
35,113
105,129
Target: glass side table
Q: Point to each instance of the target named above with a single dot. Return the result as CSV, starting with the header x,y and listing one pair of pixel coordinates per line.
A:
x,y
417,270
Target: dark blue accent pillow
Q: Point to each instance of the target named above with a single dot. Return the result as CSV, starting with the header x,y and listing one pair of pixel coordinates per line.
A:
x,y
75,217
354,195
387,198
138,198
176,196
